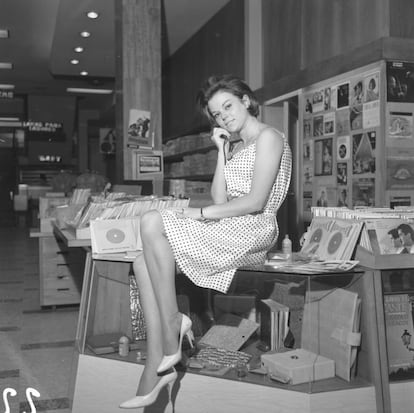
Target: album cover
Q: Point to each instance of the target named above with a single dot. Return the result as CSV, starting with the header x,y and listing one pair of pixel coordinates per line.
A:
x,y
342,240
115,235
399,331
316,236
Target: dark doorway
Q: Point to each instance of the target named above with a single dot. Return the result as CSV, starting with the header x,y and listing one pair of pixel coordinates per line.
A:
x,y
8,181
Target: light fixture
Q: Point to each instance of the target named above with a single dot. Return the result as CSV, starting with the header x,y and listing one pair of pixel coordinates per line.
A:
x,y
86,90
75,61
6,86
78,49
6,65
92,15
4,34
84,73
85,34
9,119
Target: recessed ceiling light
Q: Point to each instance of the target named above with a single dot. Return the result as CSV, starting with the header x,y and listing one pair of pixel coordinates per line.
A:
x,y
6,86
92,15
4,34
75,61
78,49
87,90
84,73
85,34
6,65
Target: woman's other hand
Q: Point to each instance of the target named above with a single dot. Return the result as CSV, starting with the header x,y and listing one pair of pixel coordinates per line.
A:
x,y
220,136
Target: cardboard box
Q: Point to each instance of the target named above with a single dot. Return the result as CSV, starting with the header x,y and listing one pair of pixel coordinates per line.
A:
x,y
298,366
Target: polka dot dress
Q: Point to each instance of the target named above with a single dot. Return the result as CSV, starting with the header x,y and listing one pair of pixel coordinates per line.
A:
x,y
209,252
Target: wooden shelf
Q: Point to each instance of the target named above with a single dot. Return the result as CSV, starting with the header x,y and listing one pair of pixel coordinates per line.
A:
x,y
179,156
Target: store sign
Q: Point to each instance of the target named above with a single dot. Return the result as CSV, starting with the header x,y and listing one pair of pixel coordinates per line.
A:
x,y
6,94
43,126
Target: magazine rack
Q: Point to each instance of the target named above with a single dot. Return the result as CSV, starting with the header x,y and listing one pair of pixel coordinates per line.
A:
x,y
105,315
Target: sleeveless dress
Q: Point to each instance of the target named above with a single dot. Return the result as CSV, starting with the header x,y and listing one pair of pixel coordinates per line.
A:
x,y
209,252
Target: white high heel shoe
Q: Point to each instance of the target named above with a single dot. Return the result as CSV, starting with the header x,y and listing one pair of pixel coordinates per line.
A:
x,y
170,361
148,399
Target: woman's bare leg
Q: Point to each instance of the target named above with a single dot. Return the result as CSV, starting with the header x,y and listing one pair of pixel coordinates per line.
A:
x,y
160,263
149,305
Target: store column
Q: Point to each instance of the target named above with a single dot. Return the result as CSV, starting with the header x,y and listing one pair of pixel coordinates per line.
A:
x,y
138,80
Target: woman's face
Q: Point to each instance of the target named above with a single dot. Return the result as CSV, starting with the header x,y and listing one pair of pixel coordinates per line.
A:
x,y
228,110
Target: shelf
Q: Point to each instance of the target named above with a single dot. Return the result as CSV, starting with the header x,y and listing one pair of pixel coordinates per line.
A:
x,y
207,177
178,157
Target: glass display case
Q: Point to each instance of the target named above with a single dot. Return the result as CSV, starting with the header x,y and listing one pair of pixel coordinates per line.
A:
x,y
275,341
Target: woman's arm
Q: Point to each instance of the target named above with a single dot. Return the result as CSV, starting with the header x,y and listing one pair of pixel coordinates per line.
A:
x,y
218,185
269,149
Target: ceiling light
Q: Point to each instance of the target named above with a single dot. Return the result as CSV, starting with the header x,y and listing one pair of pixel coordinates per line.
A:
x,y
78,49
9,119
6,86
92,15
85,34
6,65
86,90
84,73
4,34
75,61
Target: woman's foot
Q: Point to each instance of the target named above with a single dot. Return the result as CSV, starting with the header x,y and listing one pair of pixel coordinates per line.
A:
x,y
151,396
173,355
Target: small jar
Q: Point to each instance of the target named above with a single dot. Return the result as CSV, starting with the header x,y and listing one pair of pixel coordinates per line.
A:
x,y
123,346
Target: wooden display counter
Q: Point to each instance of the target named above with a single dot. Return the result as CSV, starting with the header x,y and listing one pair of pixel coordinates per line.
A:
x,y
105,309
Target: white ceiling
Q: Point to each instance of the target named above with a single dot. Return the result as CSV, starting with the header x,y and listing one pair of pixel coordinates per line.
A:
x,y
44,32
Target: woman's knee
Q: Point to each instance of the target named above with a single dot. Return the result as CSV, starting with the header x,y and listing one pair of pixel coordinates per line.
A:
x,y
150,225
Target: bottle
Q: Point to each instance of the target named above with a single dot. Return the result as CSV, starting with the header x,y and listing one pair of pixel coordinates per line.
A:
x,y
123,346
287,247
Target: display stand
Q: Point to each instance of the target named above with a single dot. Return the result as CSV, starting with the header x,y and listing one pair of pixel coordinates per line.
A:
x,y
105,309
398,393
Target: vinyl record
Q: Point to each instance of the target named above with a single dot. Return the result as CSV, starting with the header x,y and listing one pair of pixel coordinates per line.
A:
x,y
115,235
316,235
334,242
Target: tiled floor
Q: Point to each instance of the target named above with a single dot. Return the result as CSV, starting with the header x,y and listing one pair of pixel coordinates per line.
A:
x,y
36,344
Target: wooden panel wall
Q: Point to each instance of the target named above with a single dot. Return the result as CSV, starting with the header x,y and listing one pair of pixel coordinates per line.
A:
x,y
281,38
402,19
217,48
302,33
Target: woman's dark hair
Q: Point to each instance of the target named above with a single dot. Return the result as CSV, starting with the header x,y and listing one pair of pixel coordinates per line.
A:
x,y
228,83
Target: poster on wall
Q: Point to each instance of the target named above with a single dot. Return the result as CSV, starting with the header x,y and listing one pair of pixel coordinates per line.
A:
x,y
318,101
400,168
342,173
397,199
318,125
371,114
307,128
400,126
363,153
400,81
139,129
107,140
371,87
342,95
343,148
329,123
363,192
342,122
342,197
323,156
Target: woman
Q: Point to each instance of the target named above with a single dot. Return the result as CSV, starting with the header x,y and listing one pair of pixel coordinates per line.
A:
x,y
249,184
